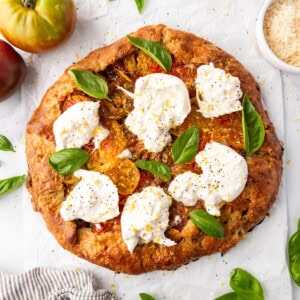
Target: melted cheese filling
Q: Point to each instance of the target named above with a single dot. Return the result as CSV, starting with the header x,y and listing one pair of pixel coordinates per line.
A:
x,y
217,92
145,218
78,125
161,102
94,199
224,176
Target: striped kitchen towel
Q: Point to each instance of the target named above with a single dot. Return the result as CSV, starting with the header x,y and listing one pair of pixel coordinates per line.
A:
x,y
51,284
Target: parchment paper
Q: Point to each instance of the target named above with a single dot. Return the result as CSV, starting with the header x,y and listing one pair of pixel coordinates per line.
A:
x,y
25,241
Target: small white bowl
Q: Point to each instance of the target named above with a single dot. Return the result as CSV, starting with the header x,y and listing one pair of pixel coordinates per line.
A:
x,y
263,45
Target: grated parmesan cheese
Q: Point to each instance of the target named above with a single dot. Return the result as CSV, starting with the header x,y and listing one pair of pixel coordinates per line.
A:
x,y
282,30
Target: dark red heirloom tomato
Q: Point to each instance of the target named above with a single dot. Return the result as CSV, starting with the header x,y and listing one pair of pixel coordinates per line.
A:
x,y
12,70
37,25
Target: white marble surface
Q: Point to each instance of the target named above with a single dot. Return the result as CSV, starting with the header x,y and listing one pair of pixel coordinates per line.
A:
x,y
25,241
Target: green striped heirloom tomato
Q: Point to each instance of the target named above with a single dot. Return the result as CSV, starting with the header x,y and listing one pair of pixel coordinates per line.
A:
x,y
37,25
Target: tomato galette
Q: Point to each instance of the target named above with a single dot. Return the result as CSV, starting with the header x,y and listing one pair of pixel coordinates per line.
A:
x,y
152,152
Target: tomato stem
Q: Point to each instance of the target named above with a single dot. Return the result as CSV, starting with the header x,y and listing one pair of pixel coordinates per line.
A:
x,y
29,3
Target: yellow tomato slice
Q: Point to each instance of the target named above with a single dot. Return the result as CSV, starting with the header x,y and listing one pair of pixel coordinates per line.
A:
x,y
105,157
125,176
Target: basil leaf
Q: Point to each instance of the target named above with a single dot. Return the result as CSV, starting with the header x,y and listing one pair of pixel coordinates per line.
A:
x,y
207,223
186,145
68,160
5,144
90,83
294,255
10,184
145,296
156,51
253,127
294,267
229,296
140,5
246,285
155,167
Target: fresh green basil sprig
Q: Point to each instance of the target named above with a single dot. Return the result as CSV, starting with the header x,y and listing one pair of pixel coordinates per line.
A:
x,y
186,145
207,223
90,83
294,255
156,51
253,127
145,296
10,184
5,144
155,167
140,5
68,160
245,287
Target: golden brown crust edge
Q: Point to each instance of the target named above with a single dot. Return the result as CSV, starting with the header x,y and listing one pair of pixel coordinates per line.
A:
x,y
46,186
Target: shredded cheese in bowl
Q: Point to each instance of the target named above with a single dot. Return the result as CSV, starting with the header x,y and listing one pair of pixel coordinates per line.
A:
x,y
278,34
282,30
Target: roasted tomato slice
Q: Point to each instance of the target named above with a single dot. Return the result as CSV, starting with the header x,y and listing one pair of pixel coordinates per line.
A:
x,y
106,157
125,176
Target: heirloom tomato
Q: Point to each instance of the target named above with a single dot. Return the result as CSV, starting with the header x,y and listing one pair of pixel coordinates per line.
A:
x,y
12,70
37,25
